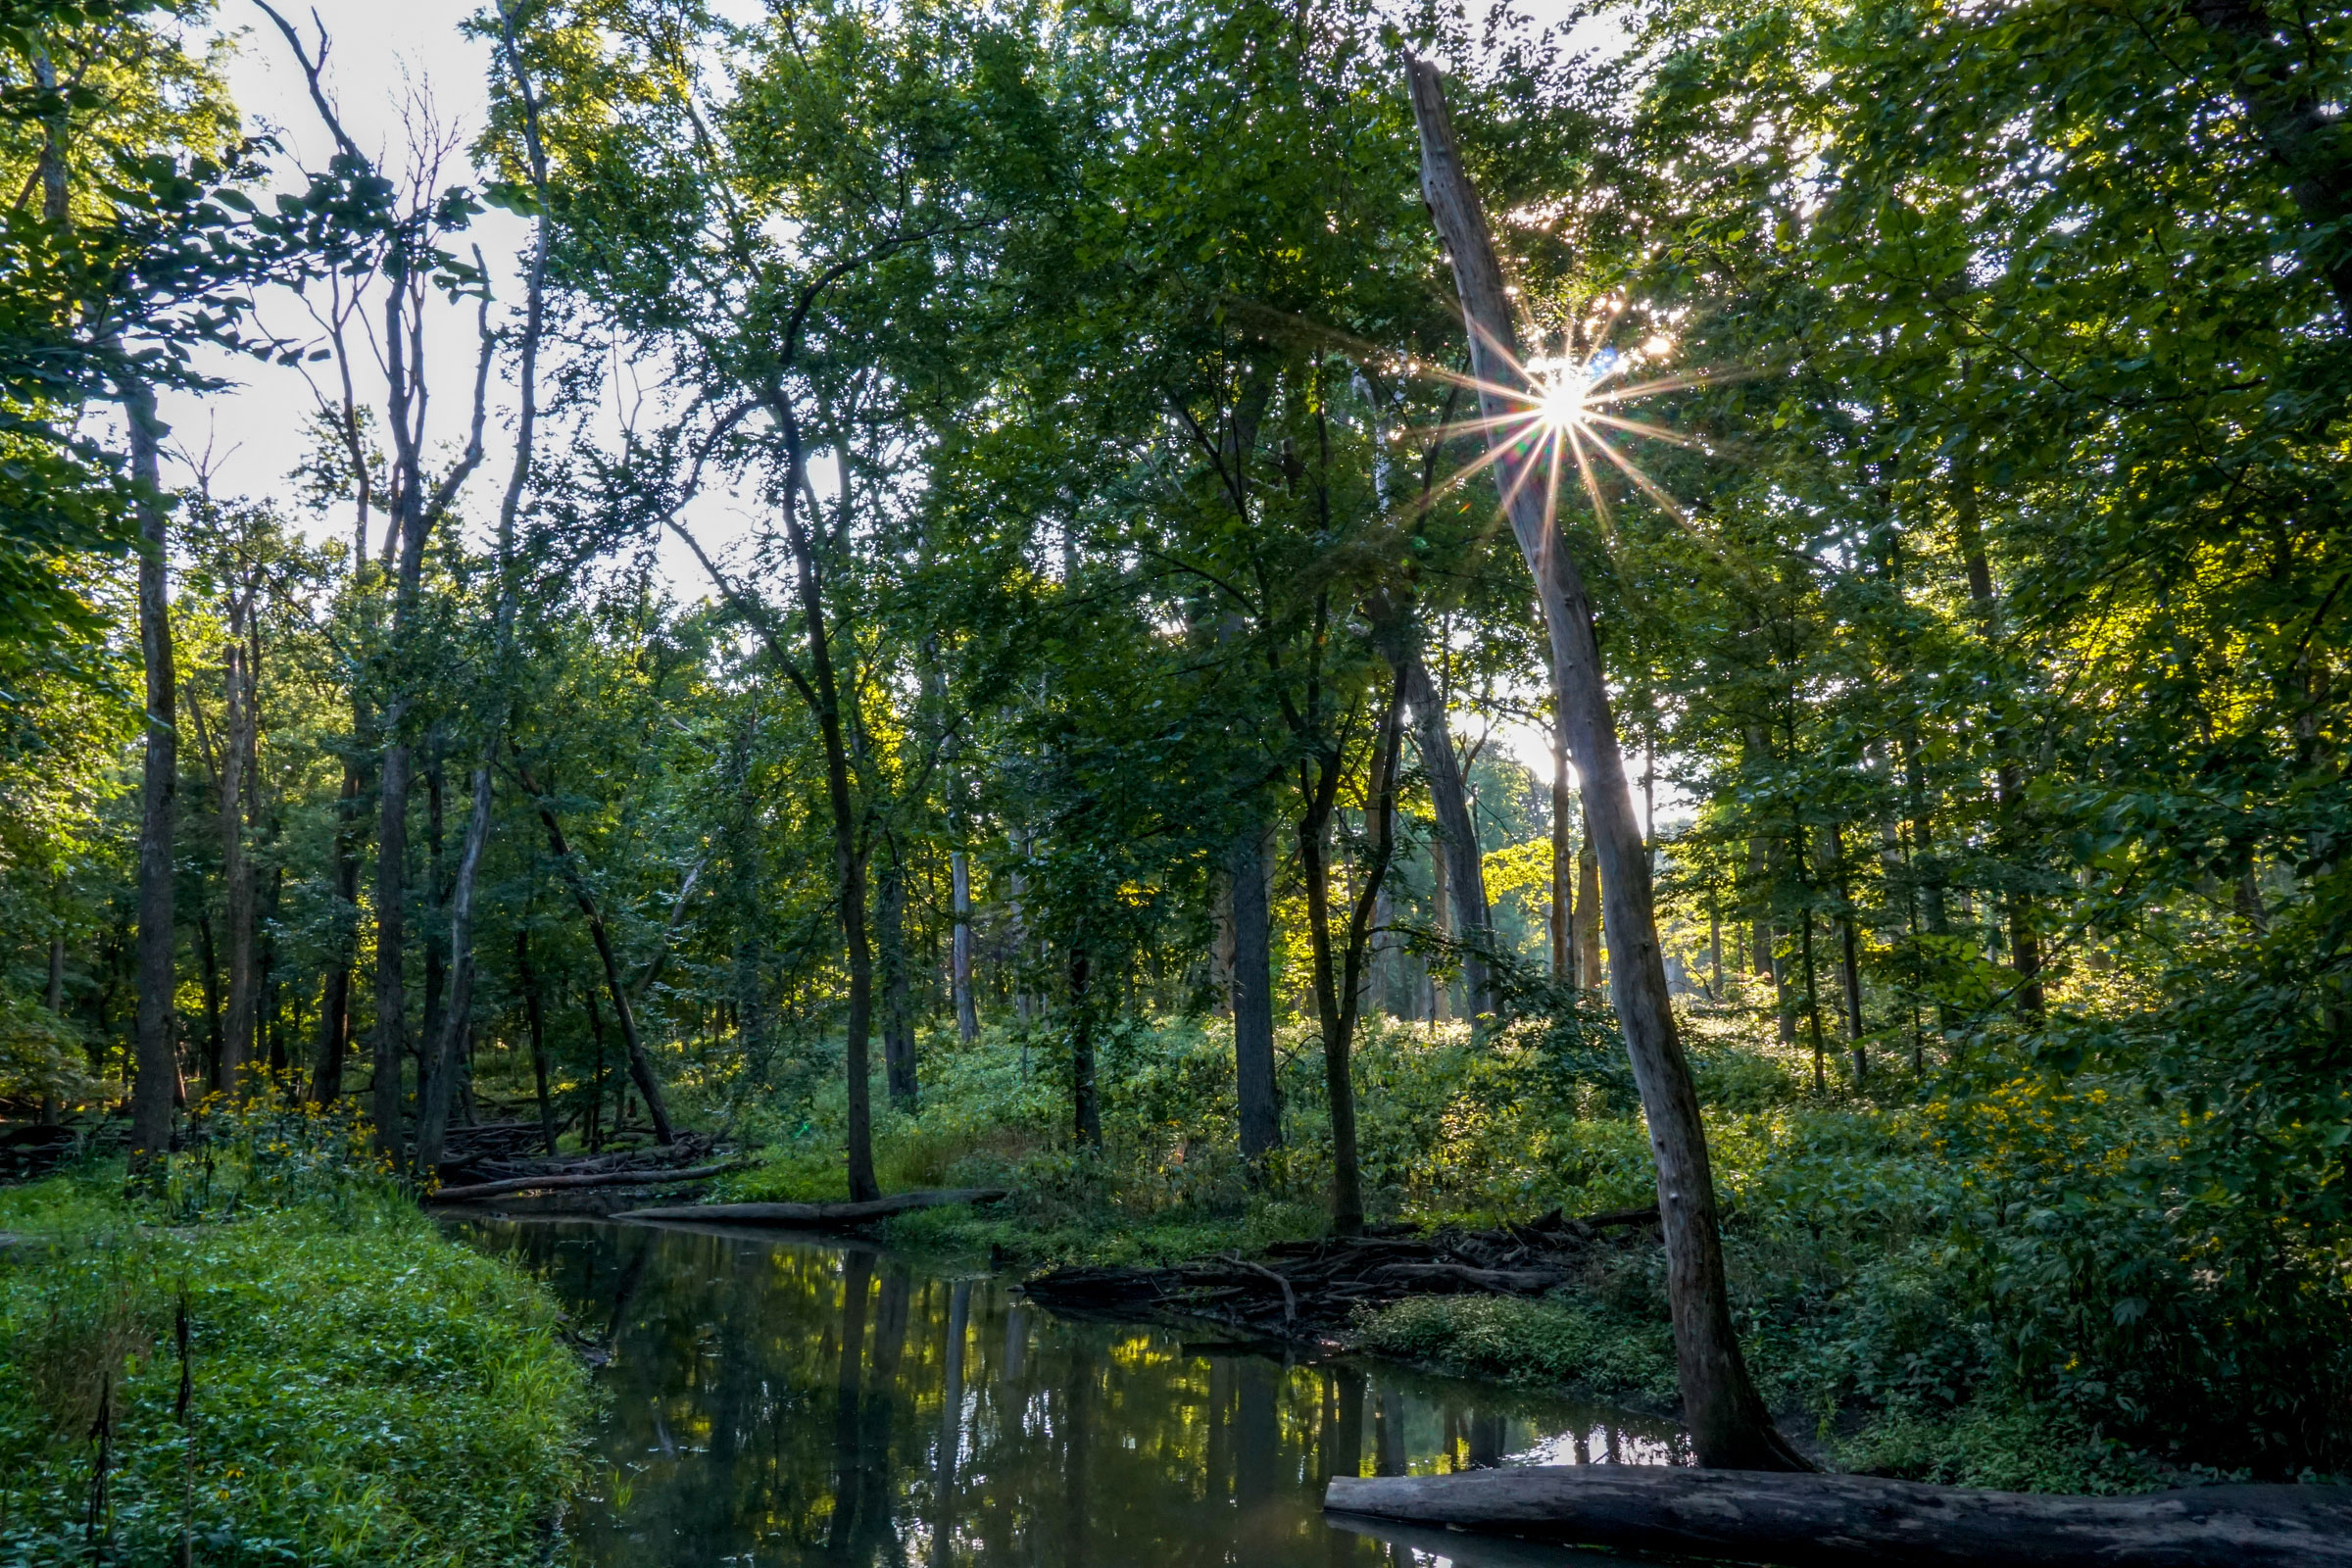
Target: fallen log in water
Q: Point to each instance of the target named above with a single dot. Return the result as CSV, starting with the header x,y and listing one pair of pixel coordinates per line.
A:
x,y
1828,1521
652,1176
819,1216
1310,1290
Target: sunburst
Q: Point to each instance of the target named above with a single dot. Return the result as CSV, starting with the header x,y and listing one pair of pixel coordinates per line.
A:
x,y
1555,412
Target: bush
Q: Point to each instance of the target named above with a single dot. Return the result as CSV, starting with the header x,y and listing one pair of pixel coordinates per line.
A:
x,y
1581,1345
357,1388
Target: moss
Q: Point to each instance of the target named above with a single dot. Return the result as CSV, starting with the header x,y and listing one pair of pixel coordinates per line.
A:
x,y
363,1389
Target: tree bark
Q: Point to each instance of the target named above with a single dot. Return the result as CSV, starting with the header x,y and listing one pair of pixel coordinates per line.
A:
x,y
236,870
2025,948
1086,1107
441,1064
1729,1425
1587,920
967,1010
158,1070
1862,1521
1458,833
334,1002
1849,965
1337,976
1563,872
1257,1098
849,863
534,1019
898,1007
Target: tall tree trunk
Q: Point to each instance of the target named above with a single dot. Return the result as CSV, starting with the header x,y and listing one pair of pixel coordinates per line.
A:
x,y
534,1019
1760,932
1729,1425
1591,973
967,1010
52,995
1337,975
849,869
1465,879
898,1006
437,1078
1440,917
436,910
390,1046
1086,1103
2025,947
208,976
1257,1098
335,1002
236,870
1850,965
440,1075
415,511
1563,872
158,1068
594,1134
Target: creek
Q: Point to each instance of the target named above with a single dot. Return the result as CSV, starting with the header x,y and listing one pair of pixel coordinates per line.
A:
x,y
782,1400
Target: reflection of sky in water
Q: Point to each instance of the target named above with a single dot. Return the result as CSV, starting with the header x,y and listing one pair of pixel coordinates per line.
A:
x,y
784,1403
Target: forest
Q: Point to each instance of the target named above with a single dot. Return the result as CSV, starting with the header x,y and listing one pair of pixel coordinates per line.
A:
x,y
1710,631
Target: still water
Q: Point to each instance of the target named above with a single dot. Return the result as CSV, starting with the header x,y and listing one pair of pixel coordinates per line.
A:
x,y
782,1401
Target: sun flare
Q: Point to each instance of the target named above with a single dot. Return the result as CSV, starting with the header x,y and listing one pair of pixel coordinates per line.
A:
x,y
1562,414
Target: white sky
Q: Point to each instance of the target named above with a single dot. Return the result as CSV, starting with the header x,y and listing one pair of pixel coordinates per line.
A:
x,y
382,55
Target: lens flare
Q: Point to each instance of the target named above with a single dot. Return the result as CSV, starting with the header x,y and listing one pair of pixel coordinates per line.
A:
x,y
1554,413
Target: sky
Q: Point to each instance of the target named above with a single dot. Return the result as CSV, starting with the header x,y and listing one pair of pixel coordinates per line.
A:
x,y
386,62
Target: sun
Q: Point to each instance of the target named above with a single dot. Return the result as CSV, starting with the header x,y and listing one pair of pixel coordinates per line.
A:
x,y
1549,416
1559,403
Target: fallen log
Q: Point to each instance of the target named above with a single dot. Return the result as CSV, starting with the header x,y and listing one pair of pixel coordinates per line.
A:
x,y
651,1177
1831,1521
819,1216
1464,1550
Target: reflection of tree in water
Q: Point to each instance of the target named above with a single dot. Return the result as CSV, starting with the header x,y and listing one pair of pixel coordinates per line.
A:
x,y
780,1404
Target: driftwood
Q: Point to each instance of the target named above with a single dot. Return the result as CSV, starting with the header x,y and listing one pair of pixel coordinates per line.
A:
x,y
1826,1521
478,1165
1310,1289
653,1176
818,1216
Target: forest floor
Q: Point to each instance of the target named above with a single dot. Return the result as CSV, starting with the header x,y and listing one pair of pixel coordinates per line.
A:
x,y
272,1371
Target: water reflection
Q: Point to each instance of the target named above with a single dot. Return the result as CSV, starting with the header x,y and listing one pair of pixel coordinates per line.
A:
x,y
779,1401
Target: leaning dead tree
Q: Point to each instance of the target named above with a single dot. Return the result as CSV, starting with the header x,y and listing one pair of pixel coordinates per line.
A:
x,y
1729,1428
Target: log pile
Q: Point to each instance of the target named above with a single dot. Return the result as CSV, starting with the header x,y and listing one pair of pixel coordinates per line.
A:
x,y
482,1174
1307,1290
1829,1521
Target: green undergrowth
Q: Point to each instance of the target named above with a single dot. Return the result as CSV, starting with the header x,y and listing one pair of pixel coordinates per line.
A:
x,y
358,1389
1572,1344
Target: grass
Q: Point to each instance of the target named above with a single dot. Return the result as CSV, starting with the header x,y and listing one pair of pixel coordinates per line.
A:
x,y
360,1389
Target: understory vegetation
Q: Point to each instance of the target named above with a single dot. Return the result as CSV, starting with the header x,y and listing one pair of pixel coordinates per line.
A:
x,y
274,1359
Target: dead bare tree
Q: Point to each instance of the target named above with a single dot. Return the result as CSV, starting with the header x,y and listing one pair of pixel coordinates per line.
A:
x,y
412,265
1729,1428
